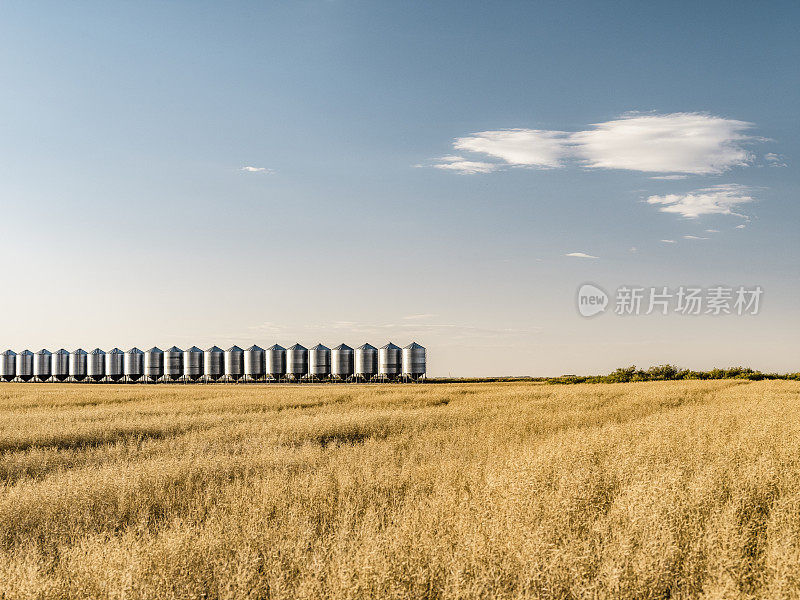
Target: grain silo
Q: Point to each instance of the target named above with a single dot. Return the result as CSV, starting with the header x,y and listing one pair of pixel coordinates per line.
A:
x,y
42,365
414,360
213,364
296,361
25,365
319,362
8,365
96,365
173,364
115,364
275,362
192,363
133,364
341,362
153,364
254,363
366,362
234,363
390,361
60,370
77,364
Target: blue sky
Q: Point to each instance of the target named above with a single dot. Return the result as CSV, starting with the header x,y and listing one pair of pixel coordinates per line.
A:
x,y
128,218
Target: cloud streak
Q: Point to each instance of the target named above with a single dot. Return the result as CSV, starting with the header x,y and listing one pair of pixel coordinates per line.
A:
x,y
580,255
674,144
264,170
715,200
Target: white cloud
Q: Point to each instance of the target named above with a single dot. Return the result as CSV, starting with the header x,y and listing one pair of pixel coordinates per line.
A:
x,y
694,237
580,255
668,241
742,226
522,147
693,143
464,166
715,200
677,144
669,177
775,160
712,230
264,170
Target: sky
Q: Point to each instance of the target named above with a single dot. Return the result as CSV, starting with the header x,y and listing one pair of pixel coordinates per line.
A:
x,y
199,173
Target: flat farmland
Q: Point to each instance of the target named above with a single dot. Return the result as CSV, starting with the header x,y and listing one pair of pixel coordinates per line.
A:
x,y
502,490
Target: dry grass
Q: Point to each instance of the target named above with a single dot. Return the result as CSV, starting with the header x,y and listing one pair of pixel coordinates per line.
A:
x,y
649,490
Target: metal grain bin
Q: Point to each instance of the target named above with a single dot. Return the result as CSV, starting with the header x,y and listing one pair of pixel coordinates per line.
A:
x,y
234,362
77,364
154,363
193,363
214,363
96,365
173,363
390,360
60,365
342,361
296,361
275,361
115,364
25,365
319,361
133,364
42,365
366,357
8,365
414,360
254,362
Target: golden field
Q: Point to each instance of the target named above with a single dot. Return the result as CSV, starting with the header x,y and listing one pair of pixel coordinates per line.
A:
x,y
503,490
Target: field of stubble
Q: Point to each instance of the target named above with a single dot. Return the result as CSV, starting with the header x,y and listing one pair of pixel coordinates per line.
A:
x,y
644,490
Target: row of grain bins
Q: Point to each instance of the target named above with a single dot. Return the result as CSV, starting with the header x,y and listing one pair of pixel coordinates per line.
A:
x,y
276,363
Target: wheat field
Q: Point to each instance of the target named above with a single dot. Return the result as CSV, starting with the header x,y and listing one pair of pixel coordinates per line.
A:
x,y
643,490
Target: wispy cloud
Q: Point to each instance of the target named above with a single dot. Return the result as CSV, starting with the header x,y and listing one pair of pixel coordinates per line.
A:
x,y
694,237
691,143
264,170
522,147
712,230
742,226
580,255
715,200
464,166
775,160
668,241
676,144
669,177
